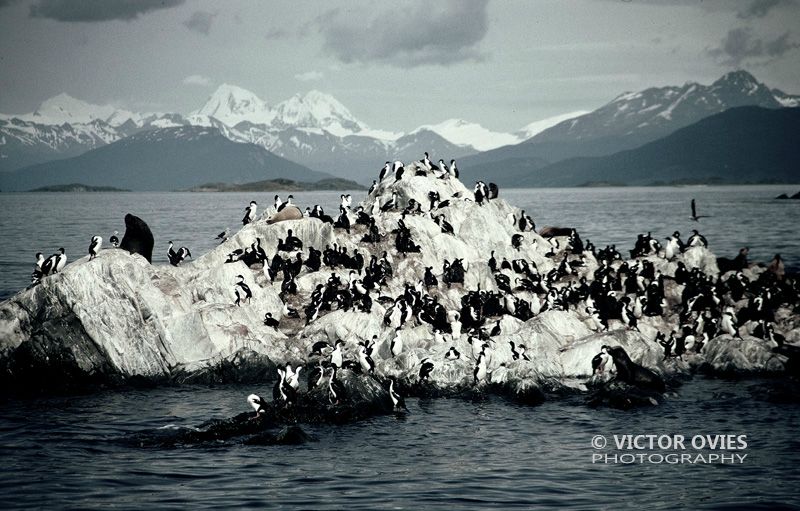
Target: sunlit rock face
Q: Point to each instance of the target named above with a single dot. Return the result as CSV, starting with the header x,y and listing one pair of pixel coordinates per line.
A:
x,y
117,317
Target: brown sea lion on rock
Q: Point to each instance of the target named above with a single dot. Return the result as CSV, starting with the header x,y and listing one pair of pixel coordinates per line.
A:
x,y
552,232
287,213
632,373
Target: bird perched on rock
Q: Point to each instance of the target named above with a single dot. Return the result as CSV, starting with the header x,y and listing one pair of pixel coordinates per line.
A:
x,y
258,403
250,213
223,236
94,246
242,290
55,263
177,257
270,321
425,369
516,241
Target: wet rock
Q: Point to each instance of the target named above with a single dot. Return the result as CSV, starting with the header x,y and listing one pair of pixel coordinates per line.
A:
x,y
618,394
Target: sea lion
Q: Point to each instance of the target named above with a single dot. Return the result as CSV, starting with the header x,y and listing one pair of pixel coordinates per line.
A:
x,y
631,372
552,232
287,213
138,238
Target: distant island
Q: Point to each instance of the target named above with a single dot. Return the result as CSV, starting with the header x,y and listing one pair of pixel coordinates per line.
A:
x,y
270,185
77,187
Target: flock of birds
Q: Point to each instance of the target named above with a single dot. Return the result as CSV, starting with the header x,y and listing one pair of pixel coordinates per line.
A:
x,y
625,291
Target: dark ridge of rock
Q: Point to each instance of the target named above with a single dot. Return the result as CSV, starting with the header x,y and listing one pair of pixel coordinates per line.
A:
x,y
618,394
782,196
138,238
246,366
523,392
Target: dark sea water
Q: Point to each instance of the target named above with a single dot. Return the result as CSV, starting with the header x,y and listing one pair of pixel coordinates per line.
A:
x,y
80,452
76,452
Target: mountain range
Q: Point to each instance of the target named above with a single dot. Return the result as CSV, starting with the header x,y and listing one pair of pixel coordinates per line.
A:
x,y
318,132
746,144
163,159
628,121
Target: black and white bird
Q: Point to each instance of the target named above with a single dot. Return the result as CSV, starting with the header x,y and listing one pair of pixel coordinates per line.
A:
x,y
336,354
452,354
293,376
94,246
258,403
37,274
399,169
426,162
286,203
250,213
114,240
374,185
696,240
396,345
391,203
242,291
385,171
398,403
516,241
364,358
480,192
55,263
425,369
283,392
270,321
223,236
453,170
525,222
479,373
177,257
335,388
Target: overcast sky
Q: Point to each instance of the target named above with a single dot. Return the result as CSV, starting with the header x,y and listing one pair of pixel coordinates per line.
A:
x,y
395,65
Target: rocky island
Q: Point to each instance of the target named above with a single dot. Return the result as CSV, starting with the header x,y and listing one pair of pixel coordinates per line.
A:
x,y
427,285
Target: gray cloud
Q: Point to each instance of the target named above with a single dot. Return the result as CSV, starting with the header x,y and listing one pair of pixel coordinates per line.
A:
x,y
97,10
739,46
440,33
200,21
760,8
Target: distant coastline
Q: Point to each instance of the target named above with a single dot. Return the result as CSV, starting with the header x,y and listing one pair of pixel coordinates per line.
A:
x,y
271,185
77,187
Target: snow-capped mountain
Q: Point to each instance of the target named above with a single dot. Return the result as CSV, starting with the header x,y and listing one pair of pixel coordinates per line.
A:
x,y
231,105
658,111
24,143
536,127
317,110
469,134
63,108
